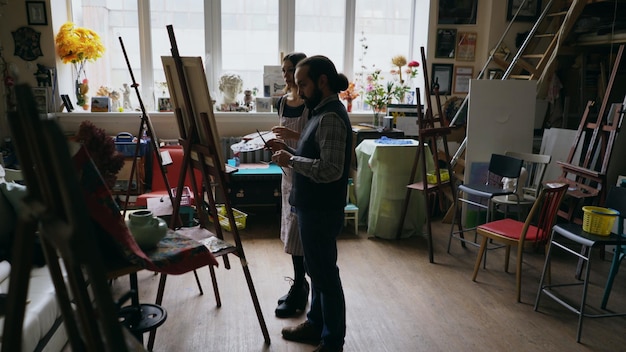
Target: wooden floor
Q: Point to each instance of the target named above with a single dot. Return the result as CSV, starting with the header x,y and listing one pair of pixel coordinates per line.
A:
x,y
396,300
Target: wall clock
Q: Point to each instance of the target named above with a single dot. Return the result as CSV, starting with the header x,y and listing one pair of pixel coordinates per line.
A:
x,y
26,42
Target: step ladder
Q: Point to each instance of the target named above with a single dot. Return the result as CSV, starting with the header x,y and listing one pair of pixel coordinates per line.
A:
x,y
537,57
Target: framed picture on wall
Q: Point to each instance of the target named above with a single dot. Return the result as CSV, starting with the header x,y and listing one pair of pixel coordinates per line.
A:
x,y
457,12
36,13
441,79
446,43
462,76
466,47
529,12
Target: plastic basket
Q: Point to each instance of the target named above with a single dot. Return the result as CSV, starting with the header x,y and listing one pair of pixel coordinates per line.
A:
x,y
598,220
240,218
431,177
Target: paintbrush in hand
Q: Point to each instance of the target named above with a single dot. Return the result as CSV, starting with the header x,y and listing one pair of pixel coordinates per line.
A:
x,y
268,147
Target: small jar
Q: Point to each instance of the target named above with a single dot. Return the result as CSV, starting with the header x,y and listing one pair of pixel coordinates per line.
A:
x,y
146,228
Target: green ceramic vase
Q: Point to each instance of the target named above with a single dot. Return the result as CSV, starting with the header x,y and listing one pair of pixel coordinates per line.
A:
x,y
146,228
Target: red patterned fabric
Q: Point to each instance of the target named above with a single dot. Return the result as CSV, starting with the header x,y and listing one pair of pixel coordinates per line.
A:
x,y
512,229
175,254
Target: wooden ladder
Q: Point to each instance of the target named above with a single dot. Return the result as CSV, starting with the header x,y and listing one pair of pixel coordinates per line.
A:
x,y
535,59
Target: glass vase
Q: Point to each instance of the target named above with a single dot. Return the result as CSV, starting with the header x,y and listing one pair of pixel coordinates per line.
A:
x,y
81,84
378,116
81,90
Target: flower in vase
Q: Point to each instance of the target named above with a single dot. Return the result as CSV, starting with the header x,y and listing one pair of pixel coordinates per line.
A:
x,y
349,95
399,61
77,45
412,69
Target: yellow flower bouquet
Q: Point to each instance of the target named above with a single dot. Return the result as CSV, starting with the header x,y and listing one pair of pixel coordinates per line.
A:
x,y
77,45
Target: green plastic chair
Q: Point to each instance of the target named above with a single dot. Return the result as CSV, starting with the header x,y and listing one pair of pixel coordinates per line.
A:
x,y
616,199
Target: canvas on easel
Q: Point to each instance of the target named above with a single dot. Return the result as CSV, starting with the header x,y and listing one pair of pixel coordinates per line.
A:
x,y
201,102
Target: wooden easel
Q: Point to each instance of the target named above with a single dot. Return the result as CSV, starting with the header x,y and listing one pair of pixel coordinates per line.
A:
x,y
56,209
200,141
145,125
587,177
432,130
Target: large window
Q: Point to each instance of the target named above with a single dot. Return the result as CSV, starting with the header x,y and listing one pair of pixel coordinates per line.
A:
x,y
243,36
320,28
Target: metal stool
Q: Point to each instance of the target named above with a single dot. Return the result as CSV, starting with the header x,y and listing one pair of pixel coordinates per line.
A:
x,y
562,237
140,318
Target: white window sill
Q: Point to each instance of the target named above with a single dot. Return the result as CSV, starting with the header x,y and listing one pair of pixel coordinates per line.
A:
x,y
228,123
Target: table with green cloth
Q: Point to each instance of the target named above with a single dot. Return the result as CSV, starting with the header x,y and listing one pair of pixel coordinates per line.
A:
x,y
383,171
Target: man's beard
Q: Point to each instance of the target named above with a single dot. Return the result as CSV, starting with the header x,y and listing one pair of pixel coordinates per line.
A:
x,y
313,101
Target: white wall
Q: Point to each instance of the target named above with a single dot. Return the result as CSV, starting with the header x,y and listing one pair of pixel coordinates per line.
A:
x,y
12,17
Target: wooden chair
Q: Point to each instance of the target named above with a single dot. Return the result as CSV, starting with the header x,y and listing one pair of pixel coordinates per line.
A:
x,y
480,194
57,210
512,232
535,166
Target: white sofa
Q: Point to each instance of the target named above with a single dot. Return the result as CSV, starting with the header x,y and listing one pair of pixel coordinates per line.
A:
x,y
43,326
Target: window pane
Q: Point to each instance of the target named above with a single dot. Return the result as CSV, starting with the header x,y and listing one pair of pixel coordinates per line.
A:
x,y
249,36
249,39
111,19
187,20
383,31
385,28
320,27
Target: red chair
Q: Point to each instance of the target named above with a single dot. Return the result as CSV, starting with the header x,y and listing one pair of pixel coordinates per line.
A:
x,y
517,233
159,188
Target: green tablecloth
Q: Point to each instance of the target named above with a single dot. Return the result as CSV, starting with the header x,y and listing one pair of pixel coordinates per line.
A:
x,y
382,175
